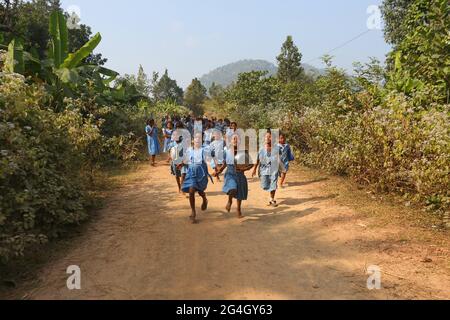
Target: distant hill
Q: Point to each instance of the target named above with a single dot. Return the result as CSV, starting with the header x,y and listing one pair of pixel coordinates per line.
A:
x,y
227,74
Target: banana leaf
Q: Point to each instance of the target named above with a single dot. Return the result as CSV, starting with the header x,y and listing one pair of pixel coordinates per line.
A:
x,y
14,58
67,75
60,38
74,59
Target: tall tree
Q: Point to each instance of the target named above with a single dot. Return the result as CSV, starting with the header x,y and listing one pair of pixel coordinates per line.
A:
x,y
215,90
142,82
290,62
394,13
166,89
28,21
421,59
195,96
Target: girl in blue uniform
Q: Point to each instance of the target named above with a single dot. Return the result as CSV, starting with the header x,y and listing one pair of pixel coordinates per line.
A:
x,y
152,140
286,156
177,168
236,184
217,148
167,133
268,164
197,174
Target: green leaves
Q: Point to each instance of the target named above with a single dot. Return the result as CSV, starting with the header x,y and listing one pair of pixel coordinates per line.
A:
x,y
74,59
14,59
67,75
60,35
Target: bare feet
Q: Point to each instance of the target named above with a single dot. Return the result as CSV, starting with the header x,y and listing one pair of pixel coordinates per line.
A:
x,y
228,207
193,219
273,204
205,204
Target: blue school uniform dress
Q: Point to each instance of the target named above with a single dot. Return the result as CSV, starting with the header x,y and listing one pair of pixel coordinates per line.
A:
x,y
152,141
197,171
234,180
286,156
217,153
269,169
167,141
176,153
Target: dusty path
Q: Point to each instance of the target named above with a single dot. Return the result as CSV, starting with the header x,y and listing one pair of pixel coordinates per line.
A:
x,y
312,247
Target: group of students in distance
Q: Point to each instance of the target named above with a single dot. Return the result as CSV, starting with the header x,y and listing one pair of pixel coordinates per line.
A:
x,y
192,144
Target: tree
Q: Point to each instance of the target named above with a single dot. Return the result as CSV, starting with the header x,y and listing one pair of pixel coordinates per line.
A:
x,y
166,89
195,96
421,60
253,88
289,62
394,13
215,90
28,21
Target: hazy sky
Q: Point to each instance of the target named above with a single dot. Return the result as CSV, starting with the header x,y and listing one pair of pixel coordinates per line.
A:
x,y
192,37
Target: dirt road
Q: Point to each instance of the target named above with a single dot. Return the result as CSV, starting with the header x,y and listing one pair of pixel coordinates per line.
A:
x,y
142,246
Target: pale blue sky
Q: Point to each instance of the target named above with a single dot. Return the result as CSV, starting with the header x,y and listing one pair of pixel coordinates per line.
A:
x,y
192,37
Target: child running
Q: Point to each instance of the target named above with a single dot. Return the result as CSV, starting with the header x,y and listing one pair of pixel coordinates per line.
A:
x,y
177,168
286,157
197,175
217,148
152,140
268,157
236,184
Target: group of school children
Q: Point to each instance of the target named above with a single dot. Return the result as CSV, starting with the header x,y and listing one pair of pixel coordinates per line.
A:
x,y
189,160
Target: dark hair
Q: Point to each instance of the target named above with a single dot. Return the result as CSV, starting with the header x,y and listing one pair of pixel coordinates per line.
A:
x,y
180,125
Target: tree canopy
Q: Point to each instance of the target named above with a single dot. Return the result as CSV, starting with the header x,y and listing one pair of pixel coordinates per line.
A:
x,y
290,62
195,96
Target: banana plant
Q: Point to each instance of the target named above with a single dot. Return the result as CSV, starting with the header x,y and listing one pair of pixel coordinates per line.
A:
x,y
62,71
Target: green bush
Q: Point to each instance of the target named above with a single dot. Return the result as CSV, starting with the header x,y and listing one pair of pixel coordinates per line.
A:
x,y
393,146
41,190
47,160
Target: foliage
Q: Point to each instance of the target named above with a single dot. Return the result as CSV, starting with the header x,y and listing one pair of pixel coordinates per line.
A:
x,y
41,191
162,109
253,88
386,126
421,59
194,97
166,89
289,62
58,125
394,13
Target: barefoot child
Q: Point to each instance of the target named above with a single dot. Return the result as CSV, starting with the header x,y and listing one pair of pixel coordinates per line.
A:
x,y
152,140
217,148
236,184
286,156
268,158
197,174
177,168
167,133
